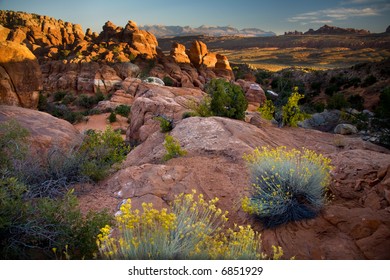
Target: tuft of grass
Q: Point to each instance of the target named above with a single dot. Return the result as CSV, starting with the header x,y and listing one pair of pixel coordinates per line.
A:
x,y
173,148
286,185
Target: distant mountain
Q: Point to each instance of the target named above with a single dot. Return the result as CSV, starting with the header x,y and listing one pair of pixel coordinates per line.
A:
x,y
163,31
333,30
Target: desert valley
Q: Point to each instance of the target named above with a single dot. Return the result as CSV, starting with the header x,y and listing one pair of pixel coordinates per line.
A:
x,y
89,120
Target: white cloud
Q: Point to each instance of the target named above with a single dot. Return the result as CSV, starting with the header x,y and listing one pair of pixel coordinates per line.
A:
x,y
330,15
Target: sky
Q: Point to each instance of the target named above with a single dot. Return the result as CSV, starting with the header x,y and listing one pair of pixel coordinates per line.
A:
x,y
269,15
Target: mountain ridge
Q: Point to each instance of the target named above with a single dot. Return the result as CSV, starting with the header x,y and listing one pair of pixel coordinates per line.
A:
x,y
163,31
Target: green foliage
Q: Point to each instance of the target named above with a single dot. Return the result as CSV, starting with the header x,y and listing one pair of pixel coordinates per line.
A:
x,y
286,185
172,146
101,150
42,102
30,229
123,110
267,110
356,102
201,109
262,76
166,124
383,110
59,95
168,81
227,100
291,112
193,229
89,101
337,101
189,115
112,117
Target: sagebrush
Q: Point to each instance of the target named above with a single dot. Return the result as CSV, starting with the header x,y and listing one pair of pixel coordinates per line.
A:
x,y
286,185
193,229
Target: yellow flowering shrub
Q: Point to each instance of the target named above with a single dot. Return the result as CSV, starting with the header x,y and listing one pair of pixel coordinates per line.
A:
x,y
193,229
286,185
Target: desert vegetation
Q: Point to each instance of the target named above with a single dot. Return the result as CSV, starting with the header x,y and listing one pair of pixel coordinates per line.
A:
x,y
286,185
40,216
193,229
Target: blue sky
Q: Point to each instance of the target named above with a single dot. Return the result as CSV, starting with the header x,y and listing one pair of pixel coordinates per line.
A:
x,y
270,15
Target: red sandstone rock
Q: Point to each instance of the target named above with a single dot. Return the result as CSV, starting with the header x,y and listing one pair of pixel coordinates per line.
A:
x,y
20,76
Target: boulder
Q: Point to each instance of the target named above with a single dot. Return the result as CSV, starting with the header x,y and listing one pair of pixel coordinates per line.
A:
x,y
345,129
253,92
178,53
152,100
125,70
20,76
45,130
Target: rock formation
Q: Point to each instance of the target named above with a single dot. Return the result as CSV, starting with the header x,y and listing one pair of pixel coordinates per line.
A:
x,y
45,131
20,76
355,225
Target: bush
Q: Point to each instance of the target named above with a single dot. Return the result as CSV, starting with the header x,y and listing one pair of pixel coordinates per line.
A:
x,y
356,101
267,111
112,117
383,110
173,148
59,95
201,109
337,101
30,229
100,151
123,110
291,112
168,81
227,100
193,229
166,124
42,102
89,101
286,185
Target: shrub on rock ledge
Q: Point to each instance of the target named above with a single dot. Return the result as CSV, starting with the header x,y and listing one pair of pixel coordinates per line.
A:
x,y
286,185
192,229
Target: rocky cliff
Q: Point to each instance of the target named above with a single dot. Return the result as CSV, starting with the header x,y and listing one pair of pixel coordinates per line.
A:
x,y
72,60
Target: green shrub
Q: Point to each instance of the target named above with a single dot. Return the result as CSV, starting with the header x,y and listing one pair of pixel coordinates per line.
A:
x,y
201,109
172,146
101,150
123,110
168,81
30,229
291,112
383,109
286,185
68,99
227,100
59,95
112,117
189,115
337,101
193,229
356,101
267,110
42,102
89,101
166,124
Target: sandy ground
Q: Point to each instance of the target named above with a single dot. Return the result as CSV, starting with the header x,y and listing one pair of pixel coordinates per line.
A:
x,y
100,122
